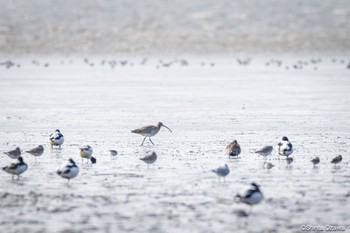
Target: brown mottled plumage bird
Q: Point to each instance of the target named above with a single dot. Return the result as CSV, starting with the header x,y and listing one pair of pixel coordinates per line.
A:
x,y
149,131
233,149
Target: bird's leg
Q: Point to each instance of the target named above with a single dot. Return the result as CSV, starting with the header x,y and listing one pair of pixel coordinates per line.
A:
x,y
12,177
82,160
150,140
59,146
143,141
250,210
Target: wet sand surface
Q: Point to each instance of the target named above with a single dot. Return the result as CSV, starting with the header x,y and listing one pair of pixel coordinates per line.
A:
x,y
207,103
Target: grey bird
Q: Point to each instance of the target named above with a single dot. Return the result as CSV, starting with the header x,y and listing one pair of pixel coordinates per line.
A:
x,y
268,165
222,171
114,153
149,159
233,149
337,159
149,131
265,151
37,151
315,161
289,160
14,154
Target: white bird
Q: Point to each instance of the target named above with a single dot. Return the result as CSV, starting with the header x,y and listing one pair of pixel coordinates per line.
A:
x,y
69,170
14,154
86,153
16,168
265,151
37,151
250,195
56,139
285,148
222,171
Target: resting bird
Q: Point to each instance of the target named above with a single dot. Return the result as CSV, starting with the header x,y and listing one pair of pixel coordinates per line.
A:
x,y
222,171
37,151
149,159
56,139
16,168
86,153
233,149
69,170
14,154
337,159
250,195
285,148
265,151
315,161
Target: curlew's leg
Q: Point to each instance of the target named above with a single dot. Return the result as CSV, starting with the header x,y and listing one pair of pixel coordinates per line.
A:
x,y
143,141
150,140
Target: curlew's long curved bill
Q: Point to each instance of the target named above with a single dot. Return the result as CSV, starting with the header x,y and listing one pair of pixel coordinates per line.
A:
x,y
168,128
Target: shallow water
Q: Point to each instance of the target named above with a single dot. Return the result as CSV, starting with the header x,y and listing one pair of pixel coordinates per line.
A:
x,y
206,106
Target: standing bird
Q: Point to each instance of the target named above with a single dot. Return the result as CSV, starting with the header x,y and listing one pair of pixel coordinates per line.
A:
x,y
149,131
114,153
265,151
14,154
337,159
289,160
37,151
222,171
149,159
56,139
86,153
233,149
16,168
285,148
250,195
315,161
69,170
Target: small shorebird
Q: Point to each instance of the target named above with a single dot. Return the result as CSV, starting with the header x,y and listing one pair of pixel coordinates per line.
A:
x,y
114,153
86,153
233,149
315,161
285,148
37,151
149,131
337,159
14,154
149,159
289,160
16,168
222,171
56,139
265,151
268,165
250,195
69,170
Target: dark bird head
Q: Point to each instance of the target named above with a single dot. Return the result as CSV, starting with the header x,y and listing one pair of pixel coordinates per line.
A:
x,y
255,186
20,159
93,160
285,139
58,172
57,130
160,124
71,161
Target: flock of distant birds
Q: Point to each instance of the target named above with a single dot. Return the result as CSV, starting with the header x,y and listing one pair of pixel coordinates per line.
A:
x,y
298,65
250,195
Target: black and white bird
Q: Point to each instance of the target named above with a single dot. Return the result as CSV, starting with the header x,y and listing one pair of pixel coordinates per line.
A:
x,y
56,139
265,151
337,159
222,171
14,154
16,168
149,159
315,161
37,151
85,152
68,170
285,148
114,153
233,149
250,195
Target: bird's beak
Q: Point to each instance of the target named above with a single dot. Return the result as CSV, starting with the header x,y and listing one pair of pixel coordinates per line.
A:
x,y
168,128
